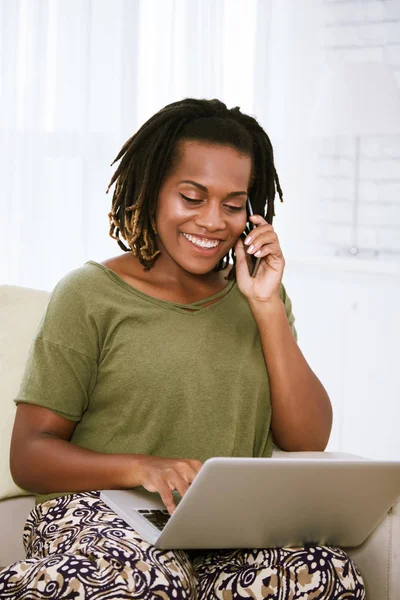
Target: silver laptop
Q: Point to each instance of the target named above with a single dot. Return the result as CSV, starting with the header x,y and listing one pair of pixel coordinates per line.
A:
x,y
267,503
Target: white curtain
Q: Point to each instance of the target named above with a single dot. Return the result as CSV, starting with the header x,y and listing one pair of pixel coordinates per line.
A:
x,y
79,77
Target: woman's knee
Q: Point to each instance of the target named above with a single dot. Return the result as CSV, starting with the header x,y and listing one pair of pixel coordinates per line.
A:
x,y
147,572
97,574
310,571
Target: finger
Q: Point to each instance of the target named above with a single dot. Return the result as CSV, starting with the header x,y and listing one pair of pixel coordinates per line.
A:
x,y
194,468
179,484
264,251
189,475
256,232
195,465
191,470
272,259
259,220
268,238
166,496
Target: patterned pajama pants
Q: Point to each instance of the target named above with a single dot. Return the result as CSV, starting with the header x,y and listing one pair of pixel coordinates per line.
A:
x,y
77,548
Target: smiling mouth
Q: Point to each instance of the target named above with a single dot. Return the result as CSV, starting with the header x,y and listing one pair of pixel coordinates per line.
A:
x,y
201,242
201,250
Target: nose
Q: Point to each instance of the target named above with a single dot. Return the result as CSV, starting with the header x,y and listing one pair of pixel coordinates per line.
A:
x,y
211,217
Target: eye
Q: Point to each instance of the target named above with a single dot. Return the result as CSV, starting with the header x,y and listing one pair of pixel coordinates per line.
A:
x,y
189,199
232,208
236,208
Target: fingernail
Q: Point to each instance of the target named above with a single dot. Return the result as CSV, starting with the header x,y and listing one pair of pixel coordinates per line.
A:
x,y
250,249
247,240
257,253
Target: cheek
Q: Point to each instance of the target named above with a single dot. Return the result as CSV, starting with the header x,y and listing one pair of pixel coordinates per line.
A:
x,y
237,228
242,224
170,209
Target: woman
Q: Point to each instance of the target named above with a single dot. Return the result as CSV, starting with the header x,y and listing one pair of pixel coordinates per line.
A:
x,y
150,362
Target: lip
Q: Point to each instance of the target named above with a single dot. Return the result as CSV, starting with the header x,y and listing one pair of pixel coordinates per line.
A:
x,y
202,251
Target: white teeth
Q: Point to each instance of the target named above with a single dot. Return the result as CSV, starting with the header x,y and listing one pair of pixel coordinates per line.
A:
x,y
202,243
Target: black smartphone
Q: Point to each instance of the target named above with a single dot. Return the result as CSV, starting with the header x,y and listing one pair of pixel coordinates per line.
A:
x,y
249,227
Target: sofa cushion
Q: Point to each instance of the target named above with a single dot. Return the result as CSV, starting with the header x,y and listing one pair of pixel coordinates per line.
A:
x,y
13,515
20,312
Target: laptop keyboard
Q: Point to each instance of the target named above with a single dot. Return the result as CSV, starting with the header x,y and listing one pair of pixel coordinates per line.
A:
x,y
158,518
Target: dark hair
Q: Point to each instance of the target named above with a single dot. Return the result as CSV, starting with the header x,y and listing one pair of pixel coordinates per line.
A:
x,y
151,153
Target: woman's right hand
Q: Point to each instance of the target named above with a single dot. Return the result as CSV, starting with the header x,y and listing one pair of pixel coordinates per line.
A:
x,y
44,461
163,475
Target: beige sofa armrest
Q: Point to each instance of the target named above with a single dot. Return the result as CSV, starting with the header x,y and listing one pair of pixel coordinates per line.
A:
x,y
378,558
13,514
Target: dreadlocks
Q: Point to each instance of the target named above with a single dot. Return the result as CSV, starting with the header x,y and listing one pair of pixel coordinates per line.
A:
x,y
151,154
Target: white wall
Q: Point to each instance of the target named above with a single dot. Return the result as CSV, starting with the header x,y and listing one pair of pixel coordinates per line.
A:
x,y
346,308
349,331
351,30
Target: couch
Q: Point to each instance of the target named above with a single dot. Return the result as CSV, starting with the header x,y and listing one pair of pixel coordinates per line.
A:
x,y
378,558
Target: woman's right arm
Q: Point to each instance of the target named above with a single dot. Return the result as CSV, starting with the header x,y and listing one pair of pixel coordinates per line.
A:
x,y
43,460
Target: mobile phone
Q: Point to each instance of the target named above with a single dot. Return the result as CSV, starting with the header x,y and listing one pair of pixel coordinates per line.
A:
x,y
255,261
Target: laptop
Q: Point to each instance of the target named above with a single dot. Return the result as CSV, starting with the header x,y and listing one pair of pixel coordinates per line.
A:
x,y
267,503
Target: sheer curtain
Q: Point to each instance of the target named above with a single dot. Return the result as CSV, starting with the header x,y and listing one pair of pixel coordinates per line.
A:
x,y
77,79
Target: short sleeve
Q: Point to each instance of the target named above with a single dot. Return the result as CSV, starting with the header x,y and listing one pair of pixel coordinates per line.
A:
x,y
288,307
58,378
61,369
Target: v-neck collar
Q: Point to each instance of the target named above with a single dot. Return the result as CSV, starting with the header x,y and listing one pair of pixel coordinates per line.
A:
x,y
187,309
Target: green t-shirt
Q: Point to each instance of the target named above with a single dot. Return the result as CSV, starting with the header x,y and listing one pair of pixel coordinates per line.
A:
x,y
146,376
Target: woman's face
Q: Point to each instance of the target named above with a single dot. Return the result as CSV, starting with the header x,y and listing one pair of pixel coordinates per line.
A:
x,y
204,197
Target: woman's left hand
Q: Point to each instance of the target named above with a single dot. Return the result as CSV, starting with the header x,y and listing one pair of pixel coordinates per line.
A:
x,y
265,286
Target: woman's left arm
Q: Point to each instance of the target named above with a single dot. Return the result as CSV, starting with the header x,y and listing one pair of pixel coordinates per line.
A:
x,y
301,409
